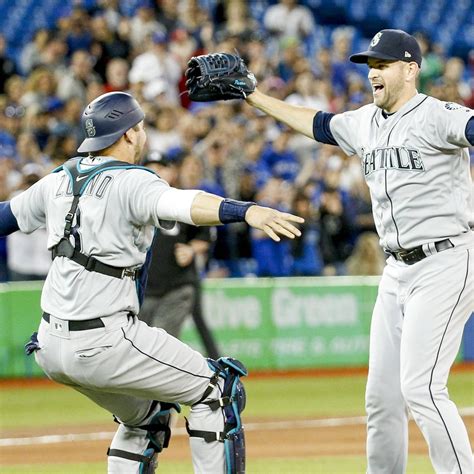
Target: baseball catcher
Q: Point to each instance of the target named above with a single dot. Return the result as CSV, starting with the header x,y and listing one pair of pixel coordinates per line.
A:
x,y
218,76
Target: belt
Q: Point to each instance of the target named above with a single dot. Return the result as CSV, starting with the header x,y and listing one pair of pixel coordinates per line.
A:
x,y
416,254
81,325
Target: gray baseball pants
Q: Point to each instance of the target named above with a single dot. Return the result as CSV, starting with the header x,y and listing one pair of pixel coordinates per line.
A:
x,y
123,367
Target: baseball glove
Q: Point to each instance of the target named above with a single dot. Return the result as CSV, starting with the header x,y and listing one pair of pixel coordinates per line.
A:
x,y
218,76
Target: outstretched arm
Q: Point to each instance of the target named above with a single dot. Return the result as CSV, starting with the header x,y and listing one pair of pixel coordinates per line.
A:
x,y
296,117
209,209
8,222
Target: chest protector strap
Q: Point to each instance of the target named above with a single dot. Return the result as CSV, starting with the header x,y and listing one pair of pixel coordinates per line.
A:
x,y
79,180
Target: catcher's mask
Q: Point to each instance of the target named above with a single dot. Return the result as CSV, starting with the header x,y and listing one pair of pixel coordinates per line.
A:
x,y
107,118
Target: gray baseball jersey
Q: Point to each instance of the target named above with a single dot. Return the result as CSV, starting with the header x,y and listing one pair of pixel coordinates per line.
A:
x,y
115,223
417,167
125,365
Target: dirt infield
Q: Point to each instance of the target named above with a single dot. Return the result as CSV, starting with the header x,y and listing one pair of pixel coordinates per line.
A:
x,y
262,443
267,438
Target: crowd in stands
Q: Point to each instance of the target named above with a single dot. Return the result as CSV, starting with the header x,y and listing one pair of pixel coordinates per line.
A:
x,y
227,148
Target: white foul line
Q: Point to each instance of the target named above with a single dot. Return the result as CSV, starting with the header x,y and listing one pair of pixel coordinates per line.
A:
x,y
260,426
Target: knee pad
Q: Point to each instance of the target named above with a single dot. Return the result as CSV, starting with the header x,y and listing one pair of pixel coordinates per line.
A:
x,y
158,428
158,435
232,403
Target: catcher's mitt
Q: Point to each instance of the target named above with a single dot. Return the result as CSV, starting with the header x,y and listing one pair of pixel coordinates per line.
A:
x,y
218,76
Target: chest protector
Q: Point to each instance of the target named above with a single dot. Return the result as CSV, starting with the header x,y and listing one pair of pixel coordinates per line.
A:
x,y
80,179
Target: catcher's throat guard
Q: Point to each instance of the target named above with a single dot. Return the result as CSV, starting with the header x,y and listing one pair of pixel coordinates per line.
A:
x,y
218,76
232,403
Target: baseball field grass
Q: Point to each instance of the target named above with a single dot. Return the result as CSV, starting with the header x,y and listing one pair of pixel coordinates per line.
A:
x,y
279,414
316,465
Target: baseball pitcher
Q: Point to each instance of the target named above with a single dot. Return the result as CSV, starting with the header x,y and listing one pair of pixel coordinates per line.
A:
x,y
413,150
100,213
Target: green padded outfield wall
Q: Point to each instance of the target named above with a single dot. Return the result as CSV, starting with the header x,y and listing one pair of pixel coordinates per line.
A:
x,y
281,323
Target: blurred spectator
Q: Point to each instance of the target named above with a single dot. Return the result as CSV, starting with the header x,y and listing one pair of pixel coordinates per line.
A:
x,y
78,77
66,119
162,134
368,257
53,56
309,92
432,62
110,11
291,62
107,45
336,232
234,20
182,46
220,165
116,75
305,251
28,255
142,25
157,69
7,65
247,191
61,148
343,72
273,259
14,90
279,160
77,29
29,152
40,86
32,51
167,14
453,78
287,18
362,207
11,118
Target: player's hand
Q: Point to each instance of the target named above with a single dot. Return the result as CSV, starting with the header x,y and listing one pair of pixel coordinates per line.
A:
x,y
184,254
273,222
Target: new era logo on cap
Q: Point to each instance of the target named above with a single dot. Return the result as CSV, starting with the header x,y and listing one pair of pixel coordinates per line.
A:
x,y
391,45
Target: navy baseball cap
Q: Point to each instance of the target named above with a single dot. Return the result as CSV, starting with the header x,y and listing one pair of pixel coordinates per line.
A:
x,y
392,45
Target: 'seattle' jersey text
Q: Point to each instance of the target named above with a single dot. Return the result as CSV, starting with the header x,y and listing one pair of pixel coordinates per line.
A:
x,y
416,164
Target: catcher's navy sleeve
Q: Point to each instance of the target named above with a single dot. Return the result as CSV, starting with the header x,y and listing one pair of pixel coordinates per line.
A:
x,y
321,131
470,131
8,223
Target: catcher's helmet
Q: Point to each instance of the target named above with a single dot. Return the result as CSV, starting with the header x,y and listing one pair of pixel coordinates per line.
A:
x,y
107,118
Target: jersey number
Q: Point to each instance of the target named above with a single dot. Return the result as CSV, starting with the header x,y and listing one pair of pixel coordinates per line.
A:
x,y
75,231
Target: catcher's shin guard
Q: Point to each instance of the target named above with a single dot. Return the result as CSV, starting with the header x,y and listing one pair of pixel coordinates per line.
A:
x,y
148,460
232,403
158,435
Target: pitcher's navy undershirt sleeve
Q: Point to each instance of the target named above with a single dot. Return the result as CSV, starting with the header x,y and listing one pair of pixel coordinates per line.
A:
x,y
321,131
470,131
8,223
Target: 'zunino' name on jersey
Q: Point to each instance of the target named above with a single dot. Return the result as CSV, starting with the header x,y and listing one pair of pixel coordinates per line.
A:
x,y
96,187
393,157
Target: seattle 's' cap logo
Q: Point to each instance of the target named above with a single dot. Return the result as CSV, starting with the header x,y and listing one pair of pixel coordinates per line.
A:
x,y
376,39
90,129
